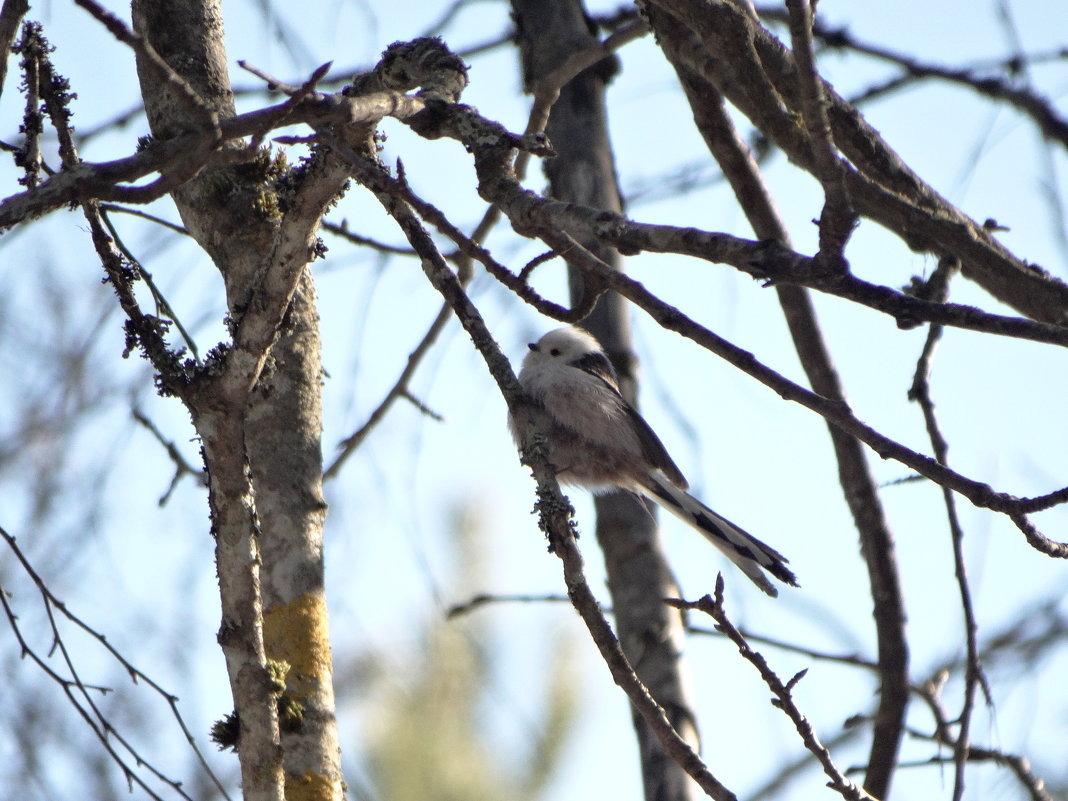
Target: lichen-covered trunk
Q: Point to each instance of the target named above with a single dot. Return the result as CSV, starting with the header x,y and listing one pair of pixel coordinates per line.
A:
x,y
262,443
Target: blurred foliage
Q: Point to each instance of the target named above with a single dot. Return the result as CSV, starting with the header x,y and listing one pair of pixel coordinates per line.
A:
x,y
426,732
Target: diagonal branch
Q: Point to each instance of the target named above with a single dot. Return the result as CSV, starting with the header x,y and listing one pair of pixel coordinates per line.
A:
x,y
554,509
723,43
978,78
546,91
858,484
181,464
195,104
398,390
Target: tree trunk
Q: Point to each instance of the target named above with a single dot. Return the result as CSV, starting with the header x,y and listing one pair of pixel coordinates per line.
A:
x,y
272,445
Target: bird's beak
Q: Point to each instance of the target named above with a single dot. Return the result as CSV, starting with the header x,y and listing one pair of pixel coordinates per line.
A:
x,y
532,345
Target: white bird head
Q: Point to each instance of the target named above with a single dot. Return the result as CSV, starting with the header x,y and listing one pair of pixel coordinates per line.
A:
x,y
563,345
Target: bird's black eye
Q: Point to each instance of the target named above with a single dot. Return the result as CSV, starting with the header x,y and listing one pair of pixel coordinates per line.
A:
x,y
554,352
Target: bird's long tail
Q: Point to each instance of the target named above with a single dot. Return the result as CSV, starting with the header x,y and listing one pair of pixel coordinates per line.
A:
x,y
745,550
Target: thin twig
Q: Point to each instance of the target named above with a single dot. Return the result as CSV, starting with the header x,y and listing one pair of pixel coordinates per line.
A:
x,y
782,690
1043,113
483,599
162,304
283,112
437,417
185,90
182,467
974,676
104,729
1019,765
378,179
273,84
547,90
399,389
838,218
144,215
341,229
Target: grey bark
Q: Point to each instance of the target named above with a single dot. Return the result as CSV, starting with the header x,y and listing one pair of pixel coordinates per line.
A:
x,y
261,420
724,42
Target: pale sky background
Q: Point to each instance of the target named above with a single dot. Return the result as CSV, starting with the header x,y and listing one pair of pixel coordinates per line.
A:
x,y
752,456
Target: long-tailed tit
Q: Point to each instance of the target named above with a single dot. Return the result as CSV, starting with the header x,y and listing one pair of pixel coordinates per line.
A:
x,y
599,441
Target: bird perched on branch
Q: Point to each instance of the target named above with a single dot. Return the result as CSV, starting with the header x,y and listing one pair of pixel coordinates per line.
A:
x,y
599,441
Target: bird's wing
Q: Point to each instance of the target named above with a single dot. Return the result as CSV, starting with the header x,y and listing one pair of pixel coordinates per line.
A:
x,y
598,366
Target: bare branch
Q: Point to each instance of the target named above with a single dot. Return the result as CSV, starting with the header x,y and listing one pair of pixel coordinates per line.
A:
x,y
1020,766
838,219
200,110
547,89
755,73
162,304
978,78
74,687
341,230
858,485
181,464
478,601
974,675
141,329
532,215
783,695
399,389
273,84
112,207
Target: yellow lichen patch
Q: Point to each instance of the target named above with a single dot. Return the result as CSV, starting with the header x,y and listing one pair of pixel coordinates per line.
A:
x,y
310,787
298,633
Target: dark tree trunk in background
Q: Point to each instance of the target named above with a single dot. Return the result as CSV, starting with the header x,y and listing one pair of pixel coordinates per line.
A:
x,y
639,577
